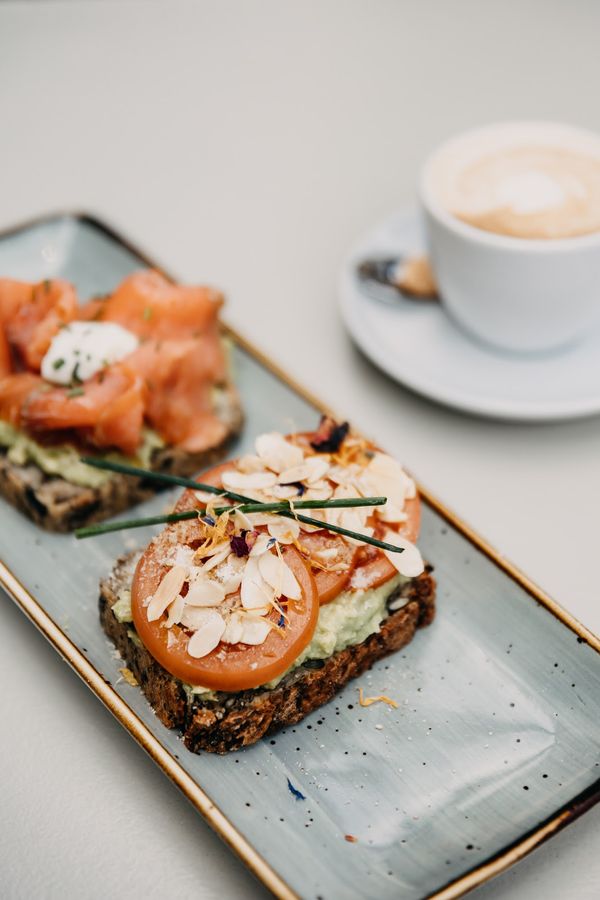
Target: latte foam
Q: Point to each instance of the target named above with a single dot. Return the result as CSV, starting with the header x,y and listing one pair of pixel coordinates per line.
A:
x,y
535,182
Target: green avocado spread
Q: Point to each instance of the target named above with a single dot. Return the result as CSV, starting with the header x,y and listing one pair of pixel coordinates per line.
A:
x,y
63,460
347,620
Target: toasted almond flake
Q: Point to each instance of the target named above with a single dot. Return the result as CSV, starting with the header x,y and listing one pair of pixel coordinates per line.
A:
x,y
277,453
343,474
214,550
386,477
254,593
241,521
320,515
230,573
233,629
333,515
381,698
184,556
166,592
195,617
205,592
318,490
325,554
284,491
312,469
207,637
252,481
262,543
129,677
254,630
250,463
175,611
409,562
259,519
217,558
205,497
286,531
390,513
279,576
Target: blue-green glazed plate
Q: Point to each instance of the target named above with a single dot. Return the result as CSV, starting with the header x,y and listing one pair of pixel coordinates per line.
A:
x,y
494,744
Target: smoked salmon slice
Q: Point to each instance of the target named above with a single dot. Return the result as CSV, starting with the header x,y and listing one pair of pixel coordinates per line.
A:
x,y
180,376
152,307
15,390
32,315
113,393
167,382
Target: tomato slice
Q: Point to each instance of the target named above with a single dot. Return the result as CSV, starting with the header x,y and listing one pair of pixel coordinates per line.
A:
x,y
323,548
374,566
229,667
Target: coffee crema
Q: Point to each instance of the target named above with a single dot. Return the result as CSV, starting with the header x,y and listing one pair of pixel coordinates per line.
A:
x,y
529,184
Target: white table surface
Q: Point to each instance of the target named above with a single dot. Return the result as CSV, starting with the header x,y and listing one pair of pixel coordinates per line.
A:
x,y
248,144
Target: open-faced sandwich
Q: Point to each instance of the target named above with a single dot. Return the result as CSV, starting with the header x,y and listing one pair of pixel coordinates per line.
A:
x,y
139,375
241,619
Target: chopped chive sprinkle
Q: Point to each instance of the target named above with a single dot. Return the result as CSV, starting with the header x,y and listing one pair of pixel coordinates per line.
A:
x,y
58,363
147,313
76,392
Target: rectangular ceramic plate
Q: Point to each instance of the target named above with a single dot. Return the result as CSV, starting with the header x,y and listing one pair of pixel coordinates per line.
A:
x,y
494,745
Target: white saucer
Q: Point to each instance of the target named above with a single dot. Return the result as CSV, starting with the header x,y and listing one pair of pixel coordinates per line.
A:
x,y
420,346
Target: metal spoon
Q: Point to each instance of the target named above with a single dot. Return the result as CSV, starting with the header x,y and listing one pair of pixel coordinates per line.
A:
x,y
389,279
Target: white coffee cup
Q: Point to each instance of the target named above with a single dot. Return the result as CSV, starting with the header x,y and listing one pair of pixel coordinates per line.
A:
x,y
516,293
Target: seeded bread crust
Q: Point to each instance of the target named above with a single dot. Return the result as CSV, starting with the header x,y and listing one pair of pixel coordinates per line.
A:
x,y
237,720
58,505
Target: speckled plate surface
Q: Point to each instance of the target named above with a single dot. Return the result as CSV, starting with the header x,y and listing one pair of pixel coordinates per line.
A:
x,y
494,745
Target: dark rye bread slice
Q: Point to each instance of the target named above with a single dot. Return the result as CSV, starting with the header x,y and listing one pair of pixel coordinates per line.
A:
x,y
58,505
233,721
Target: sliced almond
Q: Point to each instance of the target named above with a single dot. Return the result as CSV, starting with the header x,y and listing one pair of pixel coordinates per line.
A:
x,y
195,617
409,562
285,531
254,630
390,513
230,573
277,453
217,558
184,556
207,637
284,491
312,469
205,592
262,543
175,611
333,515
386,477
259,519
166,592
251,481
255,594
241,521
233,629
318,490
250,463
343,474
205,497
279,576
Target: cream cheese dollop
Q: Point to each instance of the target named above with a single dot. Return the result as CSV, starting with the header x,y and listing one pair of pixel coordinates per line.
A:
x,y
80,349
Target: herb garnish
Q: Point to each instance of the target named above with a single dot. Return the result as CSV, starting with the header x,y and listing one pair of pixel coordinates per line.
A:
x,y
75,392
58,363
147,313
